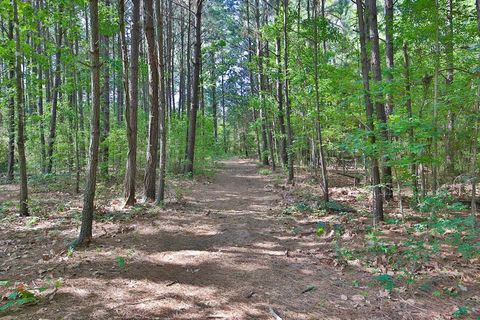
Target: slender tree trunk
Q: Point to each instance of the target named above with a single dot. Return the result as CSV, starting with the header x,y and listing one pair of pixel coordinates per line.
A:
x,y
120,91
389,53
192,126
321,153
411,134
55,98
152,148
435,100
377,192
22,161
280,100
181,89
450,139
11,112
261,87
378,98
40,95
476,132
91,175
224,115
131,96
163,105
105,152
213,79
287,96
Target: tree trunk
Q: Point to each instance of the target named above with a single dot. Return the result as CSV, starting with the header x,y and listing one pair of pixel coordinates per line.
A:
x,y
261,87
287,97
389,53
321,154
22,161
192,126
213,79
105,105
377,192
131,98
55,98
152,148
280,100
378,98
11,112
450,139
411,134
91,175
163,106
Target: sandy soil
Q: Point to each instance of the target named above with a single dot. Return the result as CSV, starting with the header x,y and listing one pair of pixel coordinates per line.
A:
x,y
227,253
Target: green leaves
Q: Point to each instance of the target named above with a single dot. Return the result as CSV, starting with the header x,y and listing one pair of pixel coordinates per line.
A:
x,y
386,281
120,261
20,296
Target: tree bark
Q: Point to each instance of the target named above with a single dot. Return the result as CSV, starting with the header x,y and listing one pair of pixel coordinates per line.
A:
x,y
56,96
192,126
91,175
280,100
11,112
152,148
287,96
378,98
163,106
131,100
261,87
411,134
377,192
323,163
389,53
105,105
22,161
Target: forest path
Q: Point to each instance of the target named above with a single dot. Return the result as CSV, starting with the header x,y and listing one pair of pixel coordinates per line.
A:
x,y
228,253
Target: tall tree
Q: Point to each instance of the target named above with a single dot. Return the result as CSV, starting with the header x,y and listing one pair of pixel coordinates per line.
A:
x,y
197,56
287,93
56,95
364,61
261,86
91,175
160,197
321,153
280,100
20,100
153,80
131,109
105,47
378,97
11,111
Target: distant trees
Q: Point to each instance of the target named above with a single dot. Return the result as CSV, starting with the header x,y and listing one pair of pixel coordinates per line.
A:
x,y
303,85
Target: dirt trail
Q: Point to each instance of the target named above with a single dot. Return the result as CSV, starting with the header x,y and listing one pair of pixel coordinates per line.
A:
x,y
228,254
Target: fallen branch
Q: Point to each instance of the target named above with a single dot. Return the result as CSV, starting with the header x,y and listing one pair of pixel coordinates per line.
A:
x,y
275,314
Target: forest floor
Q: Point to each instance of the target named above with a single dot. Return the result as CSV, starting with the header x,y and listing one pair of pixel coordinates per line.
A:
x,y
240,245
